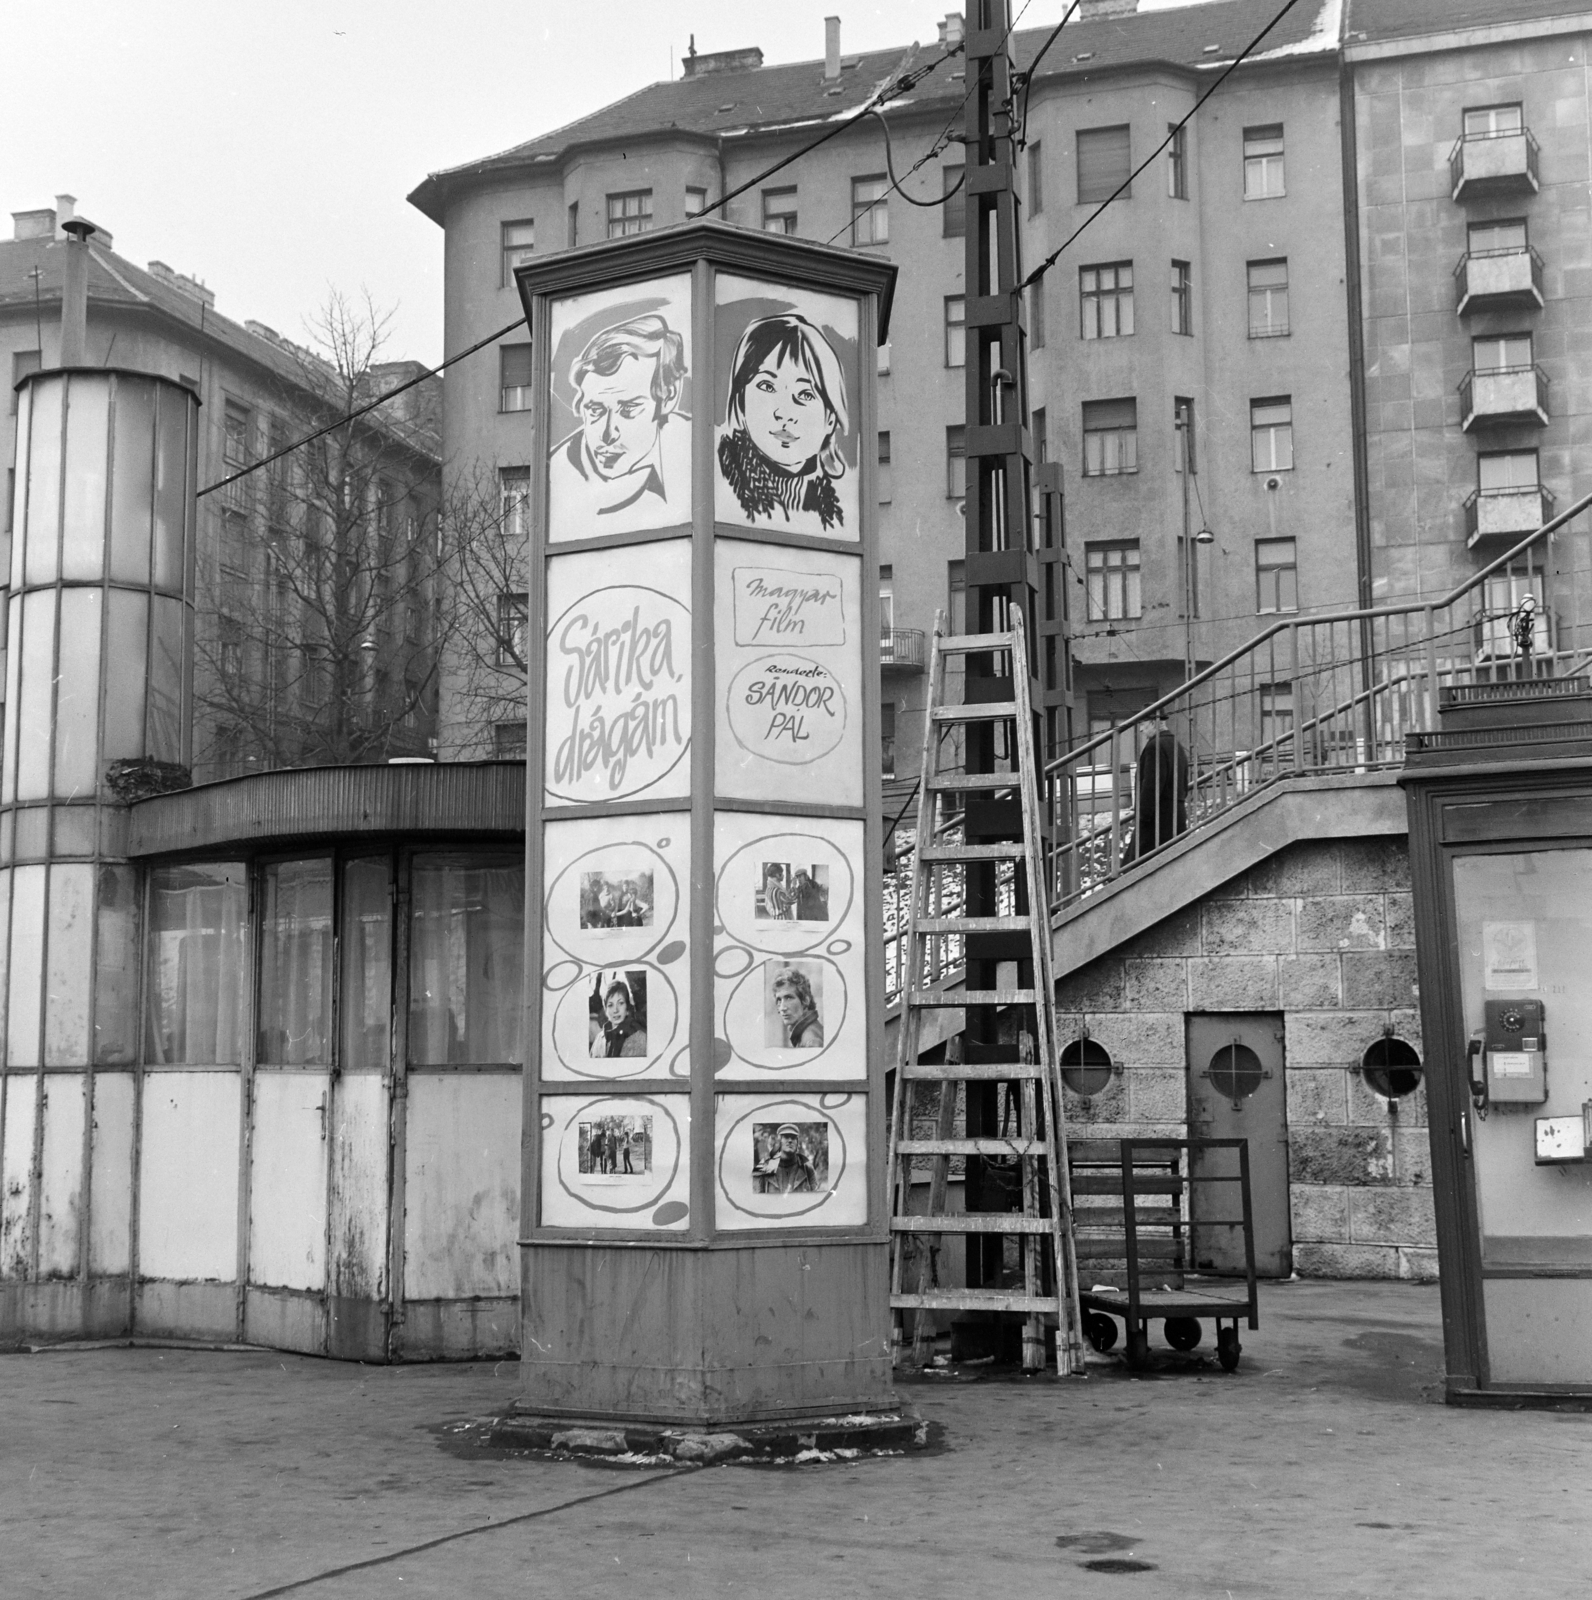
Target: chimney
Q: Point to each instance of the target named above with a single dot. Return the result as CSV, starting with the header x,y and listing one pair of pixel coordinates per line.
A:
x,y
74,291
38,224
1099,10
65,210
831,49
952,29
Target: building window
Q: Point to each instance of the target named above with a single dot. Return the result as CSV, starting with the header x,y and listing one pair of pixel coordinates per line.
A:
x,y
1276,575
629,213
870,210
514,500
508,741
1036,180
1507,469
696,201
1104,162
1492,122
954,209
1187,447
1106,300
1508,352
513,614
574,223
518,246
1110,437
22,363
1263,162
197,963
887,736
1177,162
236,425
779,210
1497,238
1268,298
1182,297
886,477
955,330
1271,434
1036,315
1111,581
514,365
1276,712
886,602
955,462
1039,430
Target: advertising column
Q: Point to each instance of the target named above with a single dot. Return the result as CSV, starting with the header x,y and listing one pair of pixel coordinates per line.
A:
x,y
703,1205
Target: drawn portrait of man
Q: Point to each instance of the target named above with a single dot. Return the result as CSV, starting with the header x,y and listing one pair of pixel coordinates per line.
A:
x,y
627,466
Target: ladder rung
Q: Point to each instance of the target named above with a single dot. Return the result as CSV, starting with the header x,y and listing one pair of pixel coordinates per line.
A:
x,y
947,781
977,711
971,997
974,925
974,1222
1011,850
982,1071
974,1300
967,644
973,1147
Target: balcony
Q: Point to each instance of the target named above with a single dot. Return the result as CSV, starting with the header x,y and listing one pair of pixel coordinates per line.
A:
x,y
1493,163
1498,280
1510,513
1494,395
902,650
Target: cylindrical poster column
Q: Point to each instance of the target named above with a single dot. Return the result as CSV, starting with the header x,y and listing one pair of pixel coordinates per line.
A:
x,y
705,1239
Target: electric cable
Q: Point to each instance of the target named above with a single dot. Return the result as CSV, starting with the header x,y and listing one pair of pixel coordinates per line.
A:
x,y
1033,67
1172,132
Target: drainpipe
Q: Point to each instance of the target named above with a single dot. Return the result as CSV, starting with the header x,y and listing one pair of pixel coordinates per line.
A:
x,y
74,294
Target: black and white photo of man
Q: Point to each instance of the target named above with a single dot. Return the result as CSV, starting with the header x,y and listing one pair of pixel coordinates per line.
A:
x,y
794,995
790,1158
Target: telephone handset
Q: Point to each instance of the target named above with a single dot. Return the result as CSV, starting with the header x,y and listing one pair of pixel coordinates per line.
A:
x,y
1477,1074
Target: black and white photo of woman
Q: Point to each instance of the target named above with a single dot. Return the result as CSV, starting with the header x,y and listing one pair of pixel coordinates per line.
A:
x,y
619,1021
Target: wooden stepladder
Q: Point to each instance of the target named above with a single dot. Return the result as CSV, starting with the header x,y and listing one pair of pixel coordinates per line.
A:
x,y
1030,1149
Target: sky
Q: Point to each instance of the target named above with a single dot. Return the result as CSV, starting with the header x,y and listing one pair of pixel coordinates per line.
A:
x,y
266,150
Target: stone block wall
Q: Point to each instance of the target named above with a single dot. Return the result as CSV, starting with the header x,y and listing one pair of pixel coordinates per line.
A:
x,y
1322,932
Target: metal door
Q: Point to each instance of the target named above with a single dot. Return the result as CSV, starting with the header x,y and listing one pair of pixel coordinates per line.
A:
x,y
1236,1091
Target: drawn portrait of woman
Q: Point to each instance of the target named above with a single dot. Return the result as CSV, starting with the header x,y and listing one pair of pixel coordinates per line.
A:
x,y
779,448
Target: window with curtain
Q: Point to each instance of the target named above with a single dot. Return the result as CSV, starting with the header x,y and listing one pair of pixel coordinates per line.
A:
x,y
296,945
466,955
195,973
1110,437
365,1005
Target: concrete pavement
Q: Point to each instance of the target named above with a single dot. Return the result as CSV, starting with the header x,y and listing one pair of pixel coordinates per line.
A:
x,y
1324,1468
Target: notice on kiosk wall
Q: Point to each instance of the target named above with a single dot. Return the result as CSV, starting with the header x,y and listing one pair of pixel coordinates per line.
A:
x,y
1509,955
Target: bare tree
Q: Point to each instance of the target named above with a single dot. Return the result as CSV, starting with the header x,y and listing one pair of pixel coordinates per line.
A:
x,y
319,632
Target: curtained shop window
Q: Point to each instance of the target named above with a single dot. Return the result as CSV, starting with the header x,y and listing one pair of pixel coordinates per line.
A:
x,y
195,976
296,949
366,946
466,947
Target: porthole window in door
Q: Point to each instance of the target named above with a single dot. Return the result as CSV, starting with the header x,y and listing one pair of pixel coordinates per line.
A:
x,y
1235,1072
1086,1067
1391,1068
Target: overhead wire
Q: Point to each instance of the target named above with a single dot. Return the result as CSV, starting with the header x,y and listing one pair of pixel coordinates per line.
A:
x,y
1172,132
1033,67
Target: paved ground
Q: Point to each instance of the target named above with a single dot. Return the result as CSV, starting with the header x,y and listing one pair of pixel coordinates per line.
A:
x,y
1323,1468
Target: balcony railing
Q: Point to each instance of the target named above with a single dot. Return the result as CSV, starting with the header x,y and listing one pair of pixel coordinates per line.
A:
x,y
1491,513
1308,696
902,650
1503,394
1493,163
1498,280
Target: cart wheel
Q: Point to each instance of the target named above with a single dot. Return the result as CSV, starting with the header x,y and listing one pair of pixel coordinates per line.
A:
x,y
1183,1333
1228,1349
1138,1351
1101,1331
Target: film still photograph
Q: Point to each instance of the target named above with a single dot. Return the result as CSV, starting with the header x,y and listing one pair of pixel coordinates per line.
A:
x,y
618,1014
615,1148
616,899
792,891
790,1157
793,998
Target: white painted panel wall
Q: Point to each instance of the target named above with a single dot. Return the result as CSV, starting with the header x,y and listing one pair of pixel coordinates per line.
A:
x,y
462,1185
69,964
287,1181
61,1175
358,1233
111,1199
16,1177
188,1176
27,966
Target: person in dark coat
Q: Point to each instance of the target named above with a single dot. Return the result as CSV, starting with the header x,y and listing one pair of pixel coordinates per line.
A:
x,y
1160,808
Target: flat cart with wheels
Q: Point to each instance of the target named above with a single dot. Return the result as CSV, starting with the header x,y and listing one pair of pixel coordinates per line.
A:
x,y
1148,1212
